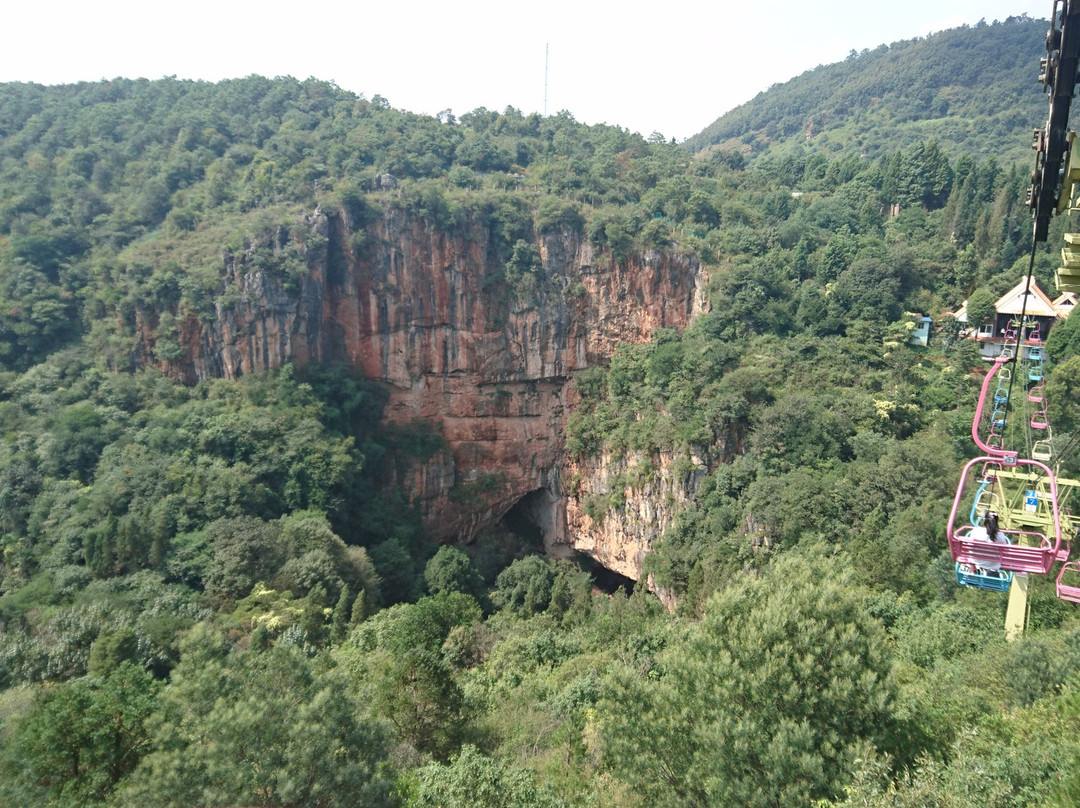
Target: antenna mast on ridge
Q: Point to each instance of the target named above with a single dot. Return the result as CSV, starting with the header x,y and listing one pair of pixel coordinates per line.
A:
x,y
545,77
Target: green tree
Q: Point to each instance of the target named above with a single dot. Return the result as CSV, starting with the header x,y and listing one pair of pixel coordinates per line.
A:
x,y
399,654
1063,395
246,550
77,437
451,570
523,269
553,213
80,740
339,620
1063,342
416,692
980,307
470,779
259,729
525,586
313,615
111,649
766,701
870,290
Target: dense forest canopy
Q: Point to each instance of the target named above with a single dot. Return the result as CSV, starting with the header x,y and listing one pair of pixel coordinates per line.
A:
x,y
971,89
210,596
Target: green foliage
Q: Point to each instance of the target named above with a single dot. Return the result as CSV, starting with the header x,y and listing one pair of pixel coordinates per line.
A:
x,y
342,615
397,570
525,586
1063,342
523,268
37,313
765,703
1063,393
110,650
416,692
554,213
868,290
411,684
947,632
79,741
997,765
56,645
240,539
955,86
980,307
471,779
246,550
451,570
259,728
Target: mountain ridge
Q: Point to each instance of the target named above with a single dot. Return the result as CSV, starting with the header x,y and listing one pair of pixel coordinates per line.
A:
x,y
944,87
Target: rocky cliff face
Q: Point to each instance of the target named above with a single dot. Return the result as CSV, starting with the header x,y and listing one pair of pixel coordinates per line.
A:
x,y
649,488
429,314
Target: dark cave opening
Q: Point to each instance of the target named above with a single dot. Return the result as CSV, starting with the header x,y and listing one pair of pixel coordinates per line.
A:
x,y
605,580
524,522
528,520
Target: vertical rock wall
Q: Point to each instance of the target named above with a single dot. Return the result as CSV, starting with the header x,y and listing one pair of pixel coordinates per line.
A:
x,y
427,313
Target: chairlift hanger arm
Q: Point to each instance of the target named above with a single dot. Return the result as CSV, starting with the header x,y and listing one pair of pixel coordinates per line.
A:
x,y
1058,76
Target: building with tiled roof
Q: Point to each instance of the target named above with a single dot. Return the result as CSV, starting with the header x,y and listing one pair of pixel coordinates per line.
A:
x,y
1024,312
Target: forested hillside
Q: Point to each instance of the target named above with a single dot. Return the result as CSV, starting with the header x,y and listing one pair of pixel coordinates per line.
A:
x,y
220,590
974,90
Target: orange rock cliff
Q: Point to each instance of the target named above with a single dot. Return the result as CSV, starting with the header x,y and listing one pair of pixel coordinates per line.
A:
x,y
429,314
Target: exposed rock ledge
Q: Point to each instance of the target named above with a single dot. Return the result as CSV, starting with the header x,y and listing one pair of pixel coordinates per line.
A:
x,y
428,314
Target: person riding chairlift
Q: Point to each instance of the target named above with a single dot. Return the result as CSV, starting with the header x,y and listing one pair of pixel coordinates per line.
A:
x,y
989,531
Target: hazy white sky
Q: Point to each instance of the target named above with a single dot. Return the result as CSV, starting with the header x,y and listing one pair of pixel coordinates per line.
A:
x,y
672,67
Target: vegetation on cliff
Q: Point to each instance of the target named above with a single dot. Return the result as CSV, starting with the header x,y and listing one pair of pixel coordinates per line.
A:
x,y
213,594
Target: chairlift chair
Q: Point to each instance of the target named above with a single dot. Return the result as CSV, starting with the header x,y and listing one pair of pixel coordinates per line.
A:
x,y
1038,420
1041,450
1001,394
1068,582
1028,550
994,580
998,420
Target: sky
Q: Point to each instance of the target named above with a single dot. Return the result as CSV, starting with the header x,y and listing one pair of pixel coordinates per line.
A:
x,y
671,67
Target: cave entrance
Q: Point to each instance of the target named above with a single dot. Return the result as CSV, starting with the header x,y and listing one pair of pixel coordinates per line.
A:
x,y
521,531
531,523
604,580
529,519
